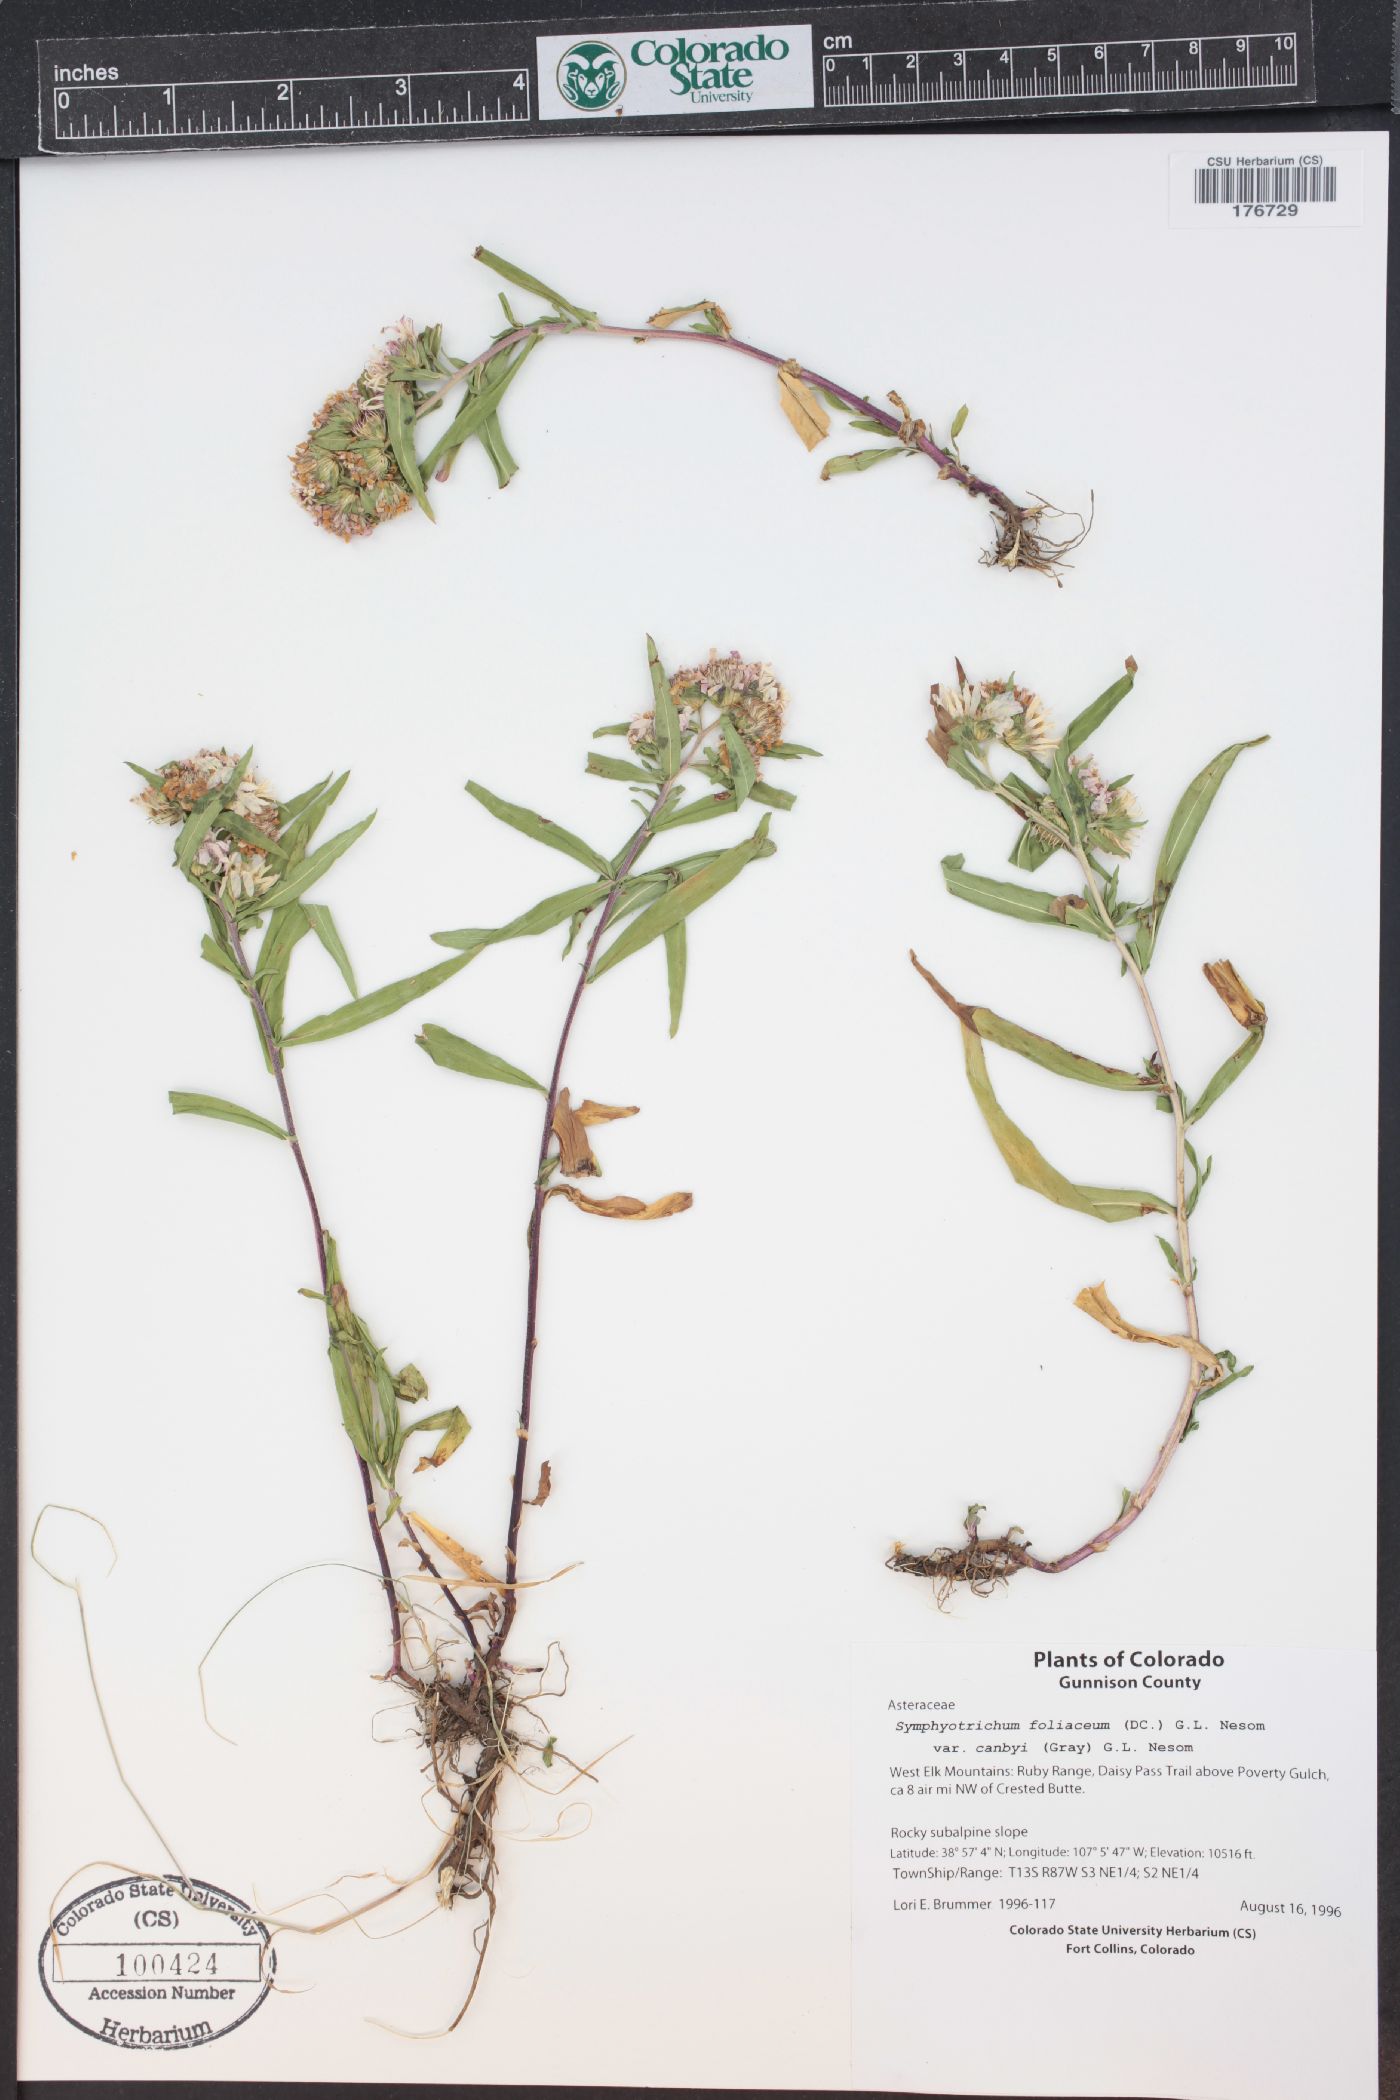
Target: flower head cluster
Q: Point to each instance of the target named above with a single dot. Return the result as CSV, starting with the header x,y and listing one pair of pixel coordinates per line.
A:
x,y
344,471
992,710
641,730
748,693
228,865
1113,811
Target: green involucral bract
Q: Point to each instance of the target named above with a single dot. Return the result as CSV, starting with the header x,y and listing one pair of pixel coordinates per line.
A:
x,y
1072,807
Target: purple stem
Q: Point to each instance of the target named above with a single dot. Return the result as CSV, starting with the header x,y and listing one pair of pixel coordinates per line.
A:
x,y
532,1289
274,1057
949,467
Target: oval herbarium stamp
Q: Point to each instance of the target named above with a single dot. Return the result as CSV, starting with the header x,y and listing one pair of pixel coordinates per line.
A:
x,y
149,1964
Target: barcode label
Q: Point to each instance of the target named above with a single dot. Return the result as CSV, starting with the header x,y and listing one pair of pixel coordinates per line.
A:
x,y
1266,185
1232,184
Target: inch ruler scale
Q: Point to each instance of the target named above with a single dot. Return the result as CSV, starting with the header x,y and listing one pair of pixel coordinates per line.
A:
x,y
814,68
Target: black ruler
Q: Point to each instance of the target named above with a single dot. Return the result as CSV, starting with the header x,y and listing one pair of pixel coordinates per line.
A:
x,y
808,68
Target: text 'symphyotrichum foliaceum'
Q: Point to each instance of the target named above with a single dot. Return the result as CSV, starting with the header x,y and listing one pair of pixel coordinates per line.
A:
x,y
360,464
1064,803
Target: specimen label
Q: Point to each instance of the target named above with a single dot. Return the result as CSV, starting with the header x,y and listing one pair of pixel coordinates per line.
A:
x,y
1161,1848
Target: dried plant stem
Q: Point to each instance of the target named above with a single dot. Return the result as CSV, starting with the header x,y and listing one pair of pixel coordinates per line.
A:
x,y
634,847
1019,540
279,1074
1196,1377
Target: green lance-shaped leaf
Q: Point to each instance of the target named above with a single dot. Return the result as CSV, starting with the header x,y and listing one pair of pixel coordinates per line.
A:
x,y
606,768
195,830
455,1054
1039,1049
540,828
742,770
698,812
398,423
668,721
771,797
1014,901
1032,1169
1098,711
494,445
862,462
354,1412
686,897
958,421
285,929
540,918
1187,818
1226,1076
222,1112
249,835
374,1006
221,959
480,406
527,283
303,815
675,971
310,870
454,1428
291,809
1032,849
318,918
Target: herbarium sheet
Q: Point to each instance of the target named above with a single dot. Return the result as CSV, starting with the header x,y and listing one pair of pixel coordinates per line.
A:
x,y
699,867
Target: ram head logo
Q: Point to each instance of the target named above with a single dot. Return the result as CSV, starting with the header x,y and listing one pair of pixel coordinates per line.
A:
x,y
591,76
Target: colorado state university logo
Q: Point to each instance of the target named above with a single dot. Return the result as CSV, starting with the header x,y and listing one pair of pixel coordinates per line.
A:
x,y
591,76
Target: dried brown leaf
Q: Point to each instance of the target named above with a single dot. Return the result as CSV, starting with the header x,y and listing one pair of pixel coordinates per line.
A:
x,y
541,1494
1095,1301
625,1206
1063,906
801,406
669,315
598,1112
1225,981
575,1152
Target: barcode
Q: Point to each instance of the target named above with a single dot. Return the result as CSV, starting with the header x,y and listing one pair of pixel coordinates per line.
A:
x,y
1266,185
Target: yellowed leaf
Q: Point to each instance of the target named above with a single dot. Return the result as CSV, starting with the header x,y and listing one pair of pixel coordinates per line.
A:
x,y
624,1206
461,1556
599,1112
471,1564
671,314
1095,1301
801,406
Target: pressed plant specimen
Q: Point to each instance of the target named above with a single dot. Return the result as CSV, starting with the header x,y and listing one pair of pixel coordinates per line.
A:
x,y
696,753
253,862
359,465
1070,807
